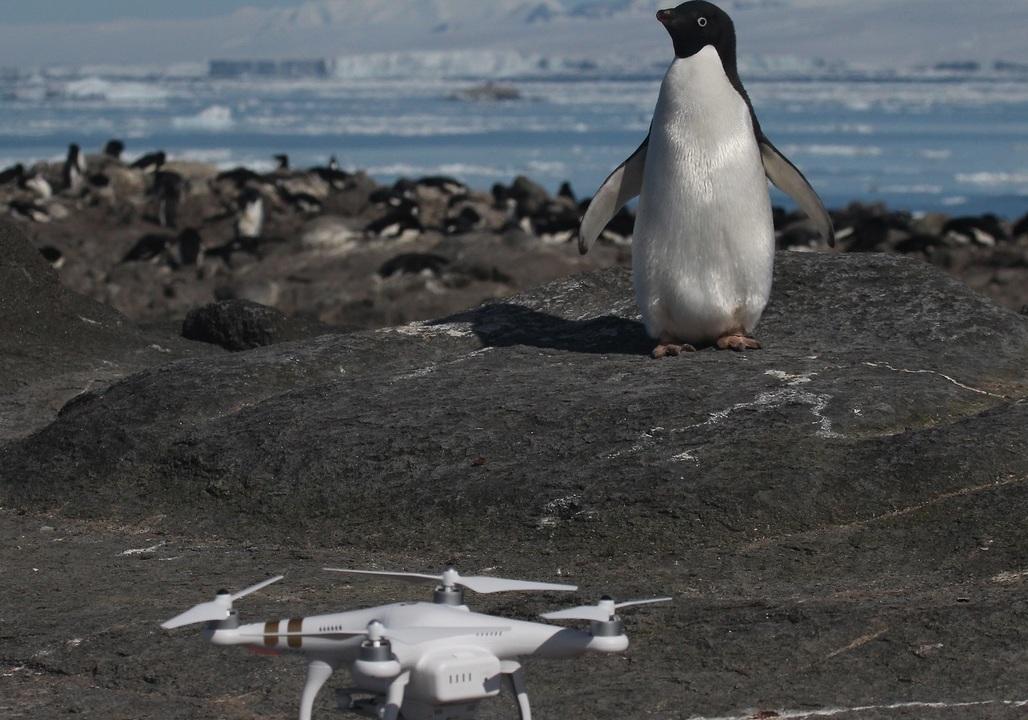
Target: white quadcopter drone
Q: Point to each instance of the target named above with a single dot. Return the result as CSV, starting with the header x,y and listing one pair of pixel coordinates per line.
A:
x,y
418,660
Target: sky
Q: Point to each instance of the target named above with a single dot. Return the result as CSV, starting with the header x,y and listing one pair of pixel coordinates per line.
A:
x,y
152,33
49,11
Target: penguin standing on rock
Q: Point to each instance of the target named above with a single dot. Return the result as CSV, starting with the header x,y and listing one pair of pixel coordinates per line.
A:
x,y
74,169
113,149
151,162
704,242
250,221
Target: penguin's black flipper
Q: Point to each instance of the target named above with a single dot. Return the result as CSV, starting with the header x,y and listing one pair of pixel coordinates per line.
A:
x,y
620,186
790,180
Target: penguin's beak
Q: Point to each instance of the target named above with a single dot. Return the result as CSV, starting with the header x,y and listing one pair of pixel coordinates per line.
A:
x,y
665,16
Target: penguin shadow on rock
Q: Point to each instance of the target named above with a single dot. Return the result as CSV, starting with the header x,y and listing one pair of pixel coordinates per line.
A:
x,y
503,324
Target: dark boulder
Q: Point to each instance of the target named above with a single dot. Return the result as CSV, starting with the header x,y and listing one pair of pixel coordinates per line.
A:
x,y
243,325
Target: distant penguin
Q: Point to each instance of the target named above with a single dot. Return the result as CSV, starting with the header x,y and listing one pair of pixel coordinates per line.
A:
x,y
281,161
465,221
168,188
301,202
190,248
114,148
703,249
250,221
147,248
566,192
39,186
15,173
448,185
53,256
28,210
400,222
332,174
239,176
413,264
74,170
151,162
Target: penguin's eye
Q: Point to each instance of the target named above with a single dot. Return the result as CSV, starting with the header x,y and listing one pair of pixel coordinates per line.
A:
x,y
702,22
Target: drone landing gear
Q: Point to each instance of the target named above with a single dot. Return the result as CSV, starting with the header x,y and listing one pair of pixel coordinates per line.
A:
x,y
318,673
388,706
514,675
376,707
394,697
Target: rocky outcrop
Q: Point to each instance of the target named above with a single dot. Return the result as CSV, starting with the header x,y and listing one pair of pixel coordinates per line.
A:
x,y
838,516
56,344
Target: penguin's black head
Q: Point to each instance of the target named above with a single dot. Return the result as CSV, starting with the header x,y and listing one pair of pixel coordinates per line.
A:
x,y
694,25
114,149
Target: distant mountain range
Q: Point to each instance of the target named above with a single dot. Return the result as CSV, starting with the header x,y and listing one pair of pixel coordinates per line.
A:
x,y
496,38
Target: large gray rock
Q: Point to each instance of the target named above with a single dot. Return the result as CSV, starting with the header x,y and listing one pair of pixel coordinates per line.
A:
x,y
839,516
56,344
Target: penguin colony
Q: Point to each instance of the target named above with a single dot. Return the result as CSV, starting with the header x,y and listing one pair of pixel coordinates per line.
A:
x,y
704,243
155,236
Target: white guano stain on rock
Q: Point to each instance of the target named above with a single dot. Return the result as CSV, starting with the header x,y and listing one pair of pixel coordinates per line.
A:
x,y
775,399
959,384
765,401
429,369
687,456
862,709
790,379
143,551
1011,576
426,329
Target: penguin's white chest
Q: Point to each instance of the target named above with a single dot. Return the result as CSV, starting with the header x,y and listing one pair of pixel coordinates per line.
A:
x,y
251,220
703,251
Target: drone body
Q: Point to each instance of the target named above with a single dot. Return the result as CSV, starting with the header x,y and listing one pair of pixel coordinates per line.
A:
x,y
417,660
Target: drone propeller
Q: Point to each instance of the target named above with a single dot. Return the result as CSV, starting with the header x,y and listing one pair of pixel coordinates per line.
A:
x,y
376,632
451,579
603,611
216,610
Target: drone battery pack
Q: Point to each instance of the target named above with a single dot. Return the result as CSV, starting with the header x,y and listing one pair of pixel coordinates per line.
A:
x,y
460,675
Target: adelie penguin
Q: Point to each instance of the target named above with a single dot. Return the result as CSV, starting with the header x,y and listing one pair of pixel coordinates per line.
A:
x,y
113,149
250,221
703,248
151,162
74,169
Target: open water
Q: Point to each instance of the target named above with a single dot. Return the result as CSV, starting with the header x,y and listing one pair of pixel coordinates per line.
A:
x,y
956,146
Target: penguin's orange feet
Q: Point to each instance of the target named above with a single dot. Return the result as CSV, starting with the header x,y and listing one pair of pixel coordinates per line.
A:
x,y
669,348
737,342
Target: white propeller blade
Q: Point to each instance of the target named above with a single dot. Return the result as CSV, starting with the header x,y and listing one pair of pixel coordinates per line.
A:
x,y
475,583
215,610
407,577
485,584
651,601
254,588
202,613
600,612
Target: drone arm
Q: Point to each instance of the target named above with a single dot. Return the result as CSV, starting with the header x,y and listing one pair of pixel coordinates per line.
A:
x,y
394,697
318,673
514,674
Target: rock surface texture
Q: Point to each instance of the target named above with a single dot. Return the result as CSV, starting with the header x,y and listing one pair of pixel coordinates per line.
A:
x,y
840,517
56,345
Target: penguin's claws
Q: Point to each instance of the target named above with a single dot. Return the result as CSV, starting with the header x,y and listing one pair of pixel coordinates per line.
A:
x,y
739,343
670,349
